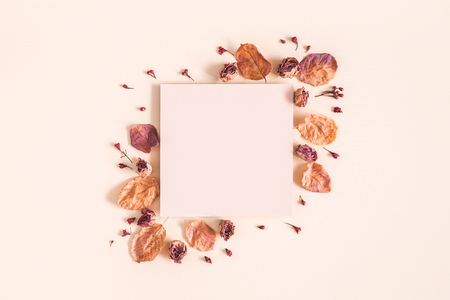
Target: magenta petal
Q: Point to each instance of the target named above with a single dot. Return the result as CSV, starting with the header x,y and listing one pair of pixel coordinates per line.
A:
x,y
144,137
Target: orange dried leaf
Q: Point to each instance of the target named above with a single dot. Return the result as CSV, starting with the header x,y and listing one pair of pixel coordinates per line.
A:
x,y
138,193
316,179
200,236
148,243
317,69
318,129
251,63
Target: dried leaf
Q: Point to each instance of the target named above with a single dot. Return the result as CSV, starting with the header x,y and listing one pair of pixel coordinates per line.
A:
x,y
316,179
144,137
317,69
148,243
200,236
251,63
318,129
138,193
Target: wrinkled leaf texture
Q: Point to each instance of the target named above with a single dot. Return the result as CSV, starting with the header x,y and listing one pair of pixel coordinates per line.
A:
x,y
316,179
200,236
252,63
318,129
317,69
148,243
139,193
144,137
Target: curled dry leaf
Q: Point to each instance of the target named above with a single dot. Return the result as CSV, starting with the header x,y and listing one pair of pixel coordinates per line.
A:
x,y
138,193
251,63
144,137
148,242
318,129
200,236
316,179
301,97
317,69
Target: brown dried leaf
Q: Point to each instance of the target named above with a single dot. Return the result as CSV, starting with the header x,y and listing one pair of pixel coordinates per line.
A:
x,y
138,193
317,69
200,236
316,179
144,137
251,63
318,129
148,243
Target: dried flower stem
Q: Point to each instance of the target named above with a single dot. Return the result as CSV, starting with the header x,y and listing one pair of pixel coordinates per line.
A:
x,y
124,152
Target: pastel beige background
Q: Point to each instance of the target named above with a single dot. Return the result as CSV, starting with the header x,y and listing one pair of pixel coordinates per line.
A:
x,y
382,233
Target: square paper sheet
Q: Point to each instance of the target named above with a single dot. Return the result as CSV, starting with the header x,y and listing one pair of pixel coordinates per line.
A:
x,y
226,150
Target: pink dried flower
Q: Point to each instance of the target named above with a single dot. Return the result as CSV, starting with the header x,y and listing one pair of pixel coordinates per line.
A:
x,y
185,73
295,41
297,229
262,227
208,260
143,168
302,202
288,67
307,48
226,229
111,242
282,41
222,50
127,87
177,250
151,73
125,232
147,217
335,155
337,110
131,220
229,72
229,253
307,153
124,153
301,97
124,166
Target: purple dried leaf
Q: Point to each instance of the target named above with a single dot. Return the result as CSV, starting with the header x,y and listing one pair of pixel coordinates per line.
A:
x,y
144,137
317,69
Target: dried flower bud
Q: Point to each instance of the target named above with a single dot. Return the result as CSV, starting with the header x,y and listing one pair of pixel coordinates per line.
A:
x,y
226,229
177,250
307,153
131,220
208,260
262,227
337,110
117,146
282,41
228,251
125,232
295,41
229,72
147,218
301,97
288,67
143,168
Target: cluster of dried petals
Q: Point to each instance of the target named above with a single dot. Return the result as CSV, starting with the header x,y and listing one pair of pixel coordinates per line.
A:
x,y
316,179
301,97
138,193
288,67
143,168
148,243
148,217
229,72
144,137
226,229
317,69
200,236
306,153
131,220
318,129
177,250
